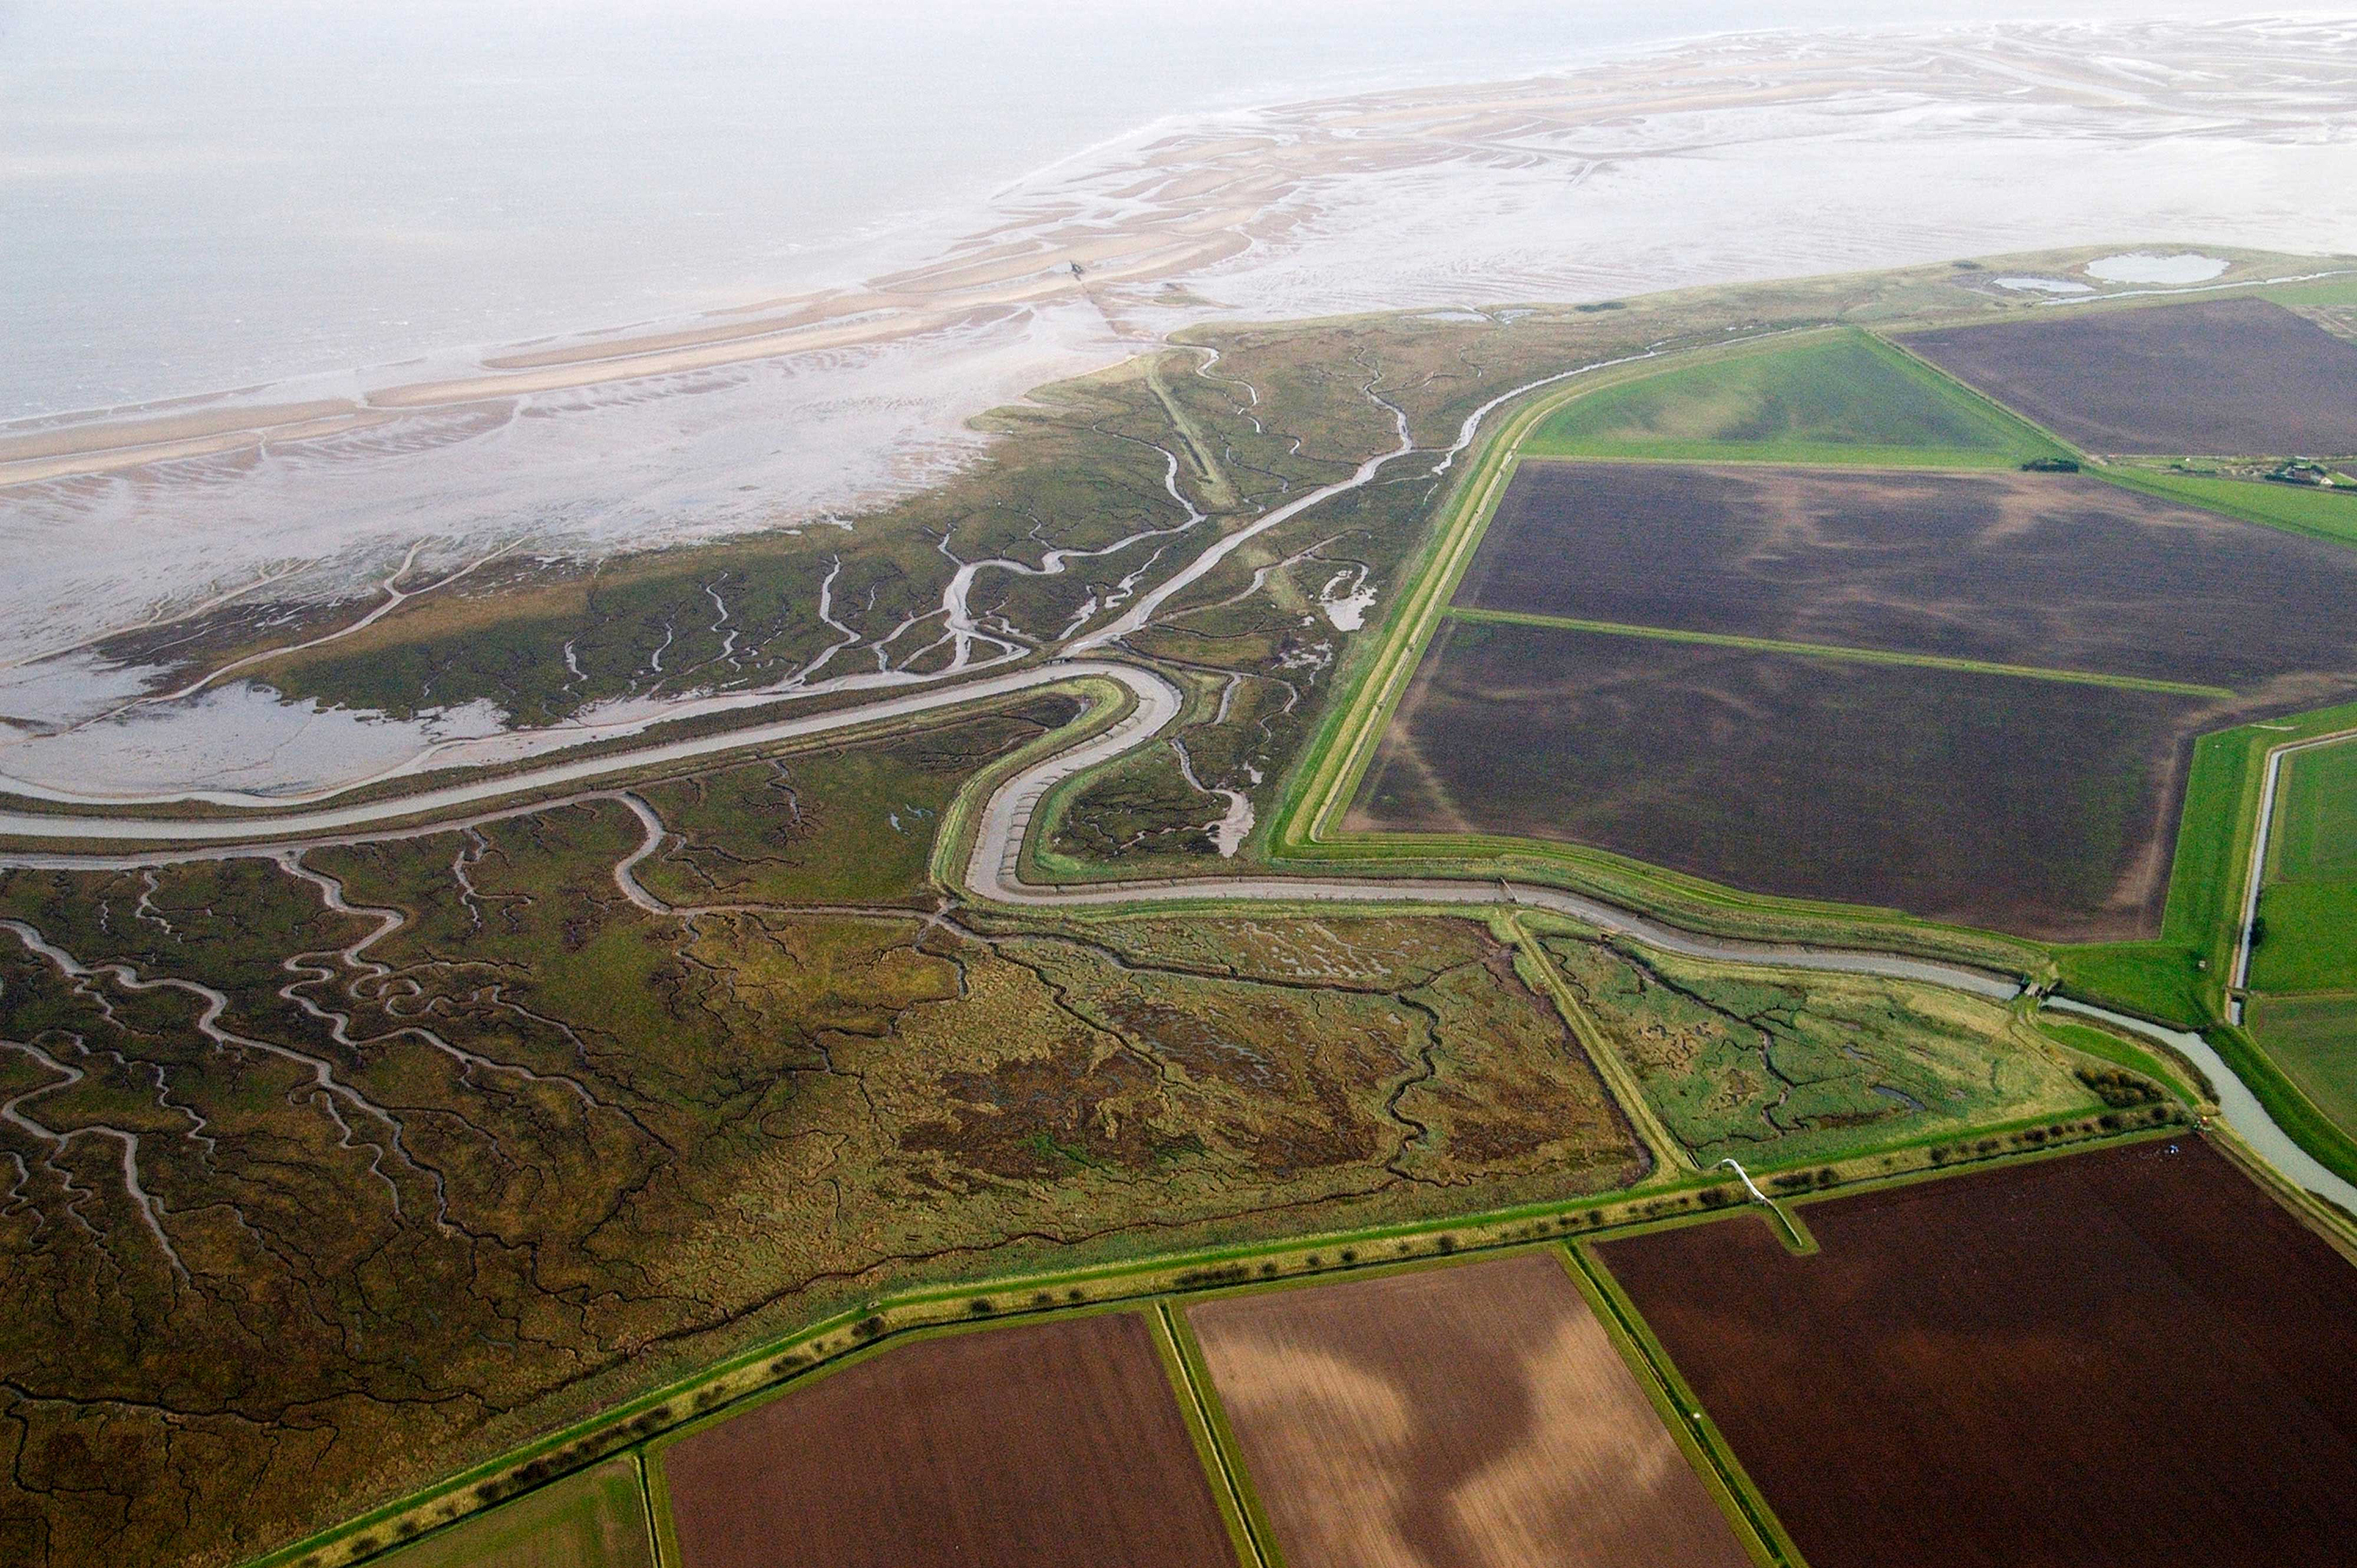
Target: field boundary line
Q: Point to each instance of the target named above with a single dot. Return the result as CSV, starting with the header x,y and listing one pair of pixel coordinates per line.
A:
x,y
1834,651
1207,1422
1896,345
1750,1519
1619,1079
661,1547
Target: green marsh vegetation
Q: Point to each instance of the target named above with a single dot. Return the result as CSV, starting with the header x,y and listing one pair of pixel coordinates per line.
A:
x,y
646,1141
1777,1070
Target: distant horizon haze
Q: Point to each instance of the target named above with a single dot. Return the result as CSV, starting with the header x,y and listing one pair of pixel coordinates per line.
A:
x,y
198,197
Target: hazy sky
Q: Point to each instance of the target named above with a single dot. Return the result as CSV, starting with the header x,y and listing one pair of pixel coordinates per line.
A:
x,y
246,189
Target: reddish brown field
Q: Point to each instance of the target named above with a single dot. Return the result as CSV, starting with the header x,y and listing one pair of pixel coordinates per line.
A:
x,y
1460,1417
2219,378
2131,1357
1058,1445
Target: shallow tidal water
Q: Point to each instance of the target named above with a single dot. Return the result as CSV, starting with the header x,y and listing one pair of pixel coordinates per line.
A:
x,y
278,198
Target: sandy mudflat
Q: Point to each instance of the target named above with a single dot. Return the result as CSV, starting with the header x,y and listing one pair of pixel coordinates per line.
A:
x,y
1730,158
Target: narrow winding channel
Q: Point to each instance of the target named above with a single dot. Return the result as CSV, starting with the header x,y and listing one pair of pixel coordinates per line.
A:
x,y
995,871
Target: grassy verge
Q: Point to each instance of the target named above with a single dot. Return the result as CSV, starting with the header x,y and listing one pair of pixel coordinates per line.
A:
x,y
1531,960
1757,1527
2300,1117
1223,1456
2190,1086
2327,515
1109,702
766,1370
1830,651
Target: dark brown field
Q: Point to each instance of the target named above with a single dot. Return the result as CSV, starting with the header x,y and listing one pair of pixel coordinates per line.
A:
x,y
2222,378
2039,807
2131,1357
1025,1447
2055,570
1467,1417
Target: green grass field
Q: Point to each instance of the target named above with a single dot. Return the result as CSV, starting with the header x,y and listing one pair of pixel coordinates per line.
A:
x,y
1844,399
1781,1070
2160,980
2340,290
2105,1045
2314,1040
2319,514
2314,835
596,1519
2307,938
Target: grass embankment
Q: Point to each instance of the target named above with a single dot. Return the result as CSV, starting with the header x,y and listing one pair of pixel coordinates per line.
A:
x,y
2327,514
2190,1086
2304,1120
1831,650
2314,1040
595,1518
1304,835
826,1345
2180,978
1843,396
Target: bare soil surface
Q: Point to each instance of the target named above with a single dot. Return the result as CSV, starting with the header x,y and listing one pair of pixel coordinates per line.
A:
x,y
1026,1448
2218,377
2038,807
1454,1418
2060,571
2131,1356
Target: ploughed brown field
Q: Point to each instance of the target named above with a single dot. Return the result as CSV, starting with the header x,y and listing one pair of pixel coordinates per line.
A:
x,y
2059,571
2040,807
2131,1357
1056,1444
1458,1417
2218,377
